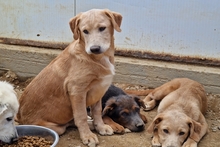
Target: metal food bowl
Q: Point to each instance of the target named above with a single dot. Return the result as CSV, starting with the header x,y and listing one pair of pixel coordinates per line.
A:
x,y
33,130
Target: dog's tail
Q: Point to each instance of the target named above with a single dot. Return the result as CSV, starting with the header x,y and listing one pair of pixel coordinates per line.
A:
x,y
139,92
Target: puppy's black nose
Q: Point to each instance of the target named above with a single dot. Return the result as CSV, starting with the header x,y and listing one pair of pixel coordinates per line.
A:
x,y
140,126
95,49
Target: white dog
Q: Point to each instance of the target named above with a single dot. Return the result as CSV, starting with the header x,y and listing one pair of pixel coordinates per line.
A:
x,y
8,109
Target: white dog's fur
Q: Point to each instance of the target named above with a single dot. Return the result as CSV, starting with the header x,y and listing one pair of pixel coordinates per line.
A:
x,y
8,108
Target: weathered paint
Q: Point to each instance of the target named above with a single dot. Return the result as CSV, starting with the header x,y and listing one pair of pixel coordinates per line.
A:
x,y
168,57
181,28
189,28
29,61
36,20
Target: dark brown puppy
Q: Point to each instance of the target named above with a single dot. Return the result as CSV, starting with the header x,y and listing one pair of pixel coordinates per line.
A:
x,y
122,111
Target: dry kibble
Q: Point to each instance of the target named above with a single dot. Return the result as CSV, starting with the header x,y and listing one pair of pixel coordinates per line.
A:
x,y
29,141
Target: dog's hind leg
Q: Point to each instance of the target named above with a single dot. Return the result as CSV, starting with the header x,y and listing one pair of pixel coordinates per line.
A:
x,y
159,93
139,93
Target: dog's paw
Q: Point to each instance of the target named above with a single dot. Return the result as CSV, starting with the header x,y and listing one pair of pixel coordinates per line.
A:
x,y
190,143
148,107
127,130
149,102
156,145
118,128
155,142
105,130
90,139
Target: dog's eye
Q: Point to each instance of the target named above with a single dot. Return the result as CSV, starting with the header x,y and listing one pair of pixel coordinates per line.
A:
x,y
85,31
124,114
137,109
102,29
9,119
181,133
165,131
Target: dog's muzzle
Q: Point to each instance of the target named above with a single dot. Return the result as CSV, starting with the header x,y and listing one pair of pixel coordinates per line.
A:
x,y
140,127
95,49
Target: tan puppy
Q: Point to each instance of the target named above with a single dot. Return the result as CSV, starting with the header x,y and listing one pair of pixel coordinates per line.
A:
x,y
180,121
75,79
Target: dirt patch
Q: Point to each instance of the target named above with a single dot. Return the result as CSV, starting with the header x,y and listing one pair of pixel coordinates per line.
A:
x,y
71,137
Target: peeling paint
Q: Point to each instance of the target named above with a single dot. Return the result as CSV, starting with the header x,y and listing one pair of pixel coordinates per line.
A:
x,y
168,57
174,31
52,45
123,52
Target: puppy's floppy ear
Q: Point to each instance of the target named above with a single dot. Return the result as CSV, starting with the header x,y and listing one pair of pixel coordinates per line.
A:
x,y
74,22
139,101
110,105
195,129
115,18
152,127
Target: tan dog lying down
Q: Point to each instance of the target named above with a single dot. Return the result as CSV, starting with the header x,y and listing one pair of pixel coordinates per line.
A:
x,y
180,120
75,79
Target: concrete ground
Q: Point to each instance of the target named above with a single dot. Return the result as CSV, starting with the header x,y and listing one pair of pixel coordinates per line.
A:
x,y
141,139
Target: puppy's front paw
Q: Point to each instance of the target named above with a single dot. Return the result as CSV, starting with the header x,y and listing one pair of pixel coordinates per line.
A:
x,y
118,128
127,130
156,145
105,130
149,102
148,107
90,139
155,142
190,143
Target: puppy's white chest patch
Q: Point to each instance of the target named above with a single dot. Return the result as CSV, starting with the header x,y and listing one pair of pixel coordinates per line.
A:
x,y
112,68
106,62
107,80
